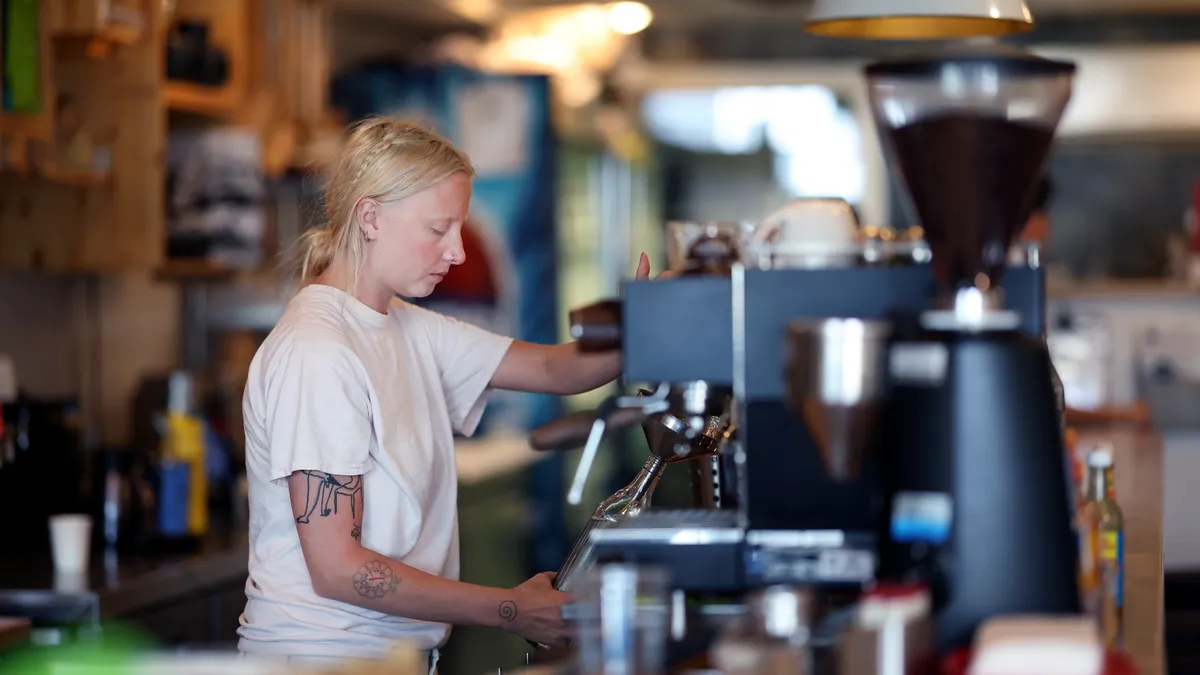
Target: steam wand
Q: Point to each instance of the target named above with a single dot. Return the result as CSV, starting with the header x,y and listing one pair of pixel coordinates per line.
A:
x,y
648,405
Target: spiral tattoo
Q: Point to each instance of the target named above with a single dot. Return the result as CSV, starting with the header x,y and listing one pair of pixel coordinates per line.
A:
x,y
508,610
375,580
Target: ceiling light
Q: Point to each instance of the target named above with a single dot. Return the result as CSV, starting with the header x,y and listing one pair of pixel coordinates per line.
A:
x,y
918,19
628,18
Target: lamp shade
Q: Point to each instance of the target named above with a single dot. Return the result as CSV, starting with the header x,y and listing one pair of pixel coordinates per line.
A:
x,y
918,19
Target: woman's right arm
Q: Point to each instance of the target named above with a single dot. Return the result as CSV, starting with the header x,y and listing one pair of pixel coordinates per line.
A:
x,y
329,510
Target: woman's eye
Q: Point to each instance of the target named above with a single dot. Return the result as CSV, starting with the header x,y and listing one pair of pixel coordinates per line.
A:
x,y
440,233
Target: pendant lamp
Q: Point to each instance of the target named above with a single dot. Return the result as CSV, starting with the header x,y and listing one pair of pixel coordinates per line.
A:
x,y
918,19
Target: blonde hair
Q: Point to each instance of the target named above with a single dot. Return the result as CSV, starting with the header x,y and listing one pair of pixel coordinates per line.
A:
x,y
385,159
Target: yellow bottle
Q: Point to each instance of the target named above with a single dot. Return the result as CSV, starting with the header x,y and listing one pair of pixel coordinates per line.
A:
x,y
1087,528
183,441
1110,535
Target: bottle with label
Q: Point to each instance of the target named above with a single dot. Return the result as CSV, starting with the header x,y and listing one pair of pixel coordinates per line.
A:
x,y
1110,534
1087,528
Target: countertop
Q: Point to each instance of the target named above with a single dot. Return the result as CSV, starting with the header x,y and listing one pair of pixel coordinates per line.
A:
x,y
122,583
1062,288
1138,469
128,582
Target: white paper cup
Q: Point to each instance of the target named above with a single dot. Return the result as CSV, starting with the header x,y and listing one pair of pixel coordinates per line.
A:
x,y
70,541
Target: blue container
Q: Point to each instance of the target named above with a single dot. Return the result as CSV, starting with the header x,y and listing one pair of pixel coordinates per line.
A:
x,y
174,484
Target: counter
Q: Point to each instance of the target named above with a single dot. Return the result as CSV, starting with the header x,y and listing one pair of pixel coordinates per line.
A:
x,y
1138,469
193,598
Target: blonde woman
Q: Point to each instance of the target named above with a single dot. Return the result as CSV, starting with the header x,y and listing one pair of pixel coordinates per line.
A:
x,y
350,410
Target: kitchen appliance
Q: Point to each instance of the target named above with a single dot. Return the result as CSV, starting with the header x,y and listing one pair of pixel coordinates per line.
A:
x,y
892,422
974,475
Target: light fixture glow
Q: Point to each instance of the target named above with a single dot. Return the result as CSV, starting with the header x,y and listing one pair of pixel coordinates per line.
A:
x,y
918,19
628,18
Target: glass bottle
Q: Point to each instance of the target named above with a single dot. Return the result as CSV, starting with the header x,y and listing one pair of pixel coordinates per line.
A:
x,y
1110,531
1088,533
628,501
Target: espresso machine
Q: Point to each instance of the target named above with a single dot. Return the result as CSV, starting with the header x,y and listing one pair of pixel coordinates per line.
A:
x,y
887,422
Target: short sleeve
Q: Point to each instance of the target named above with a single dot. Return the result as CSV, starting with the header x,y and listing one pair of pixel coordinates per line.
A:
x,y
467,357
318,412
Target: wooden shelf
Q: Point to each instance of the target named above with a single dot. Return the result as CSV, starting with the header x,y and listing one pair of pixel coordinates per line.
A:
x,y
97,45
194,270
39,127
62,176
194,98
76,177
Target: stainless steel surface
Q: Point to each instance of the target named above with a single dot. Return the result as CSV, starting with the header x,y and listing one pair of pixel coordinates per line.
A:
x,y
675,440
706,483
737,311
973,309
676,526
836,380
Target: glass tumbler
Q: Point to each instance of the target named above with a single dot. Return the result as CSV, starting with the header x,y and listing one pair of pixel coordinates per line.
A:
x,y
623,612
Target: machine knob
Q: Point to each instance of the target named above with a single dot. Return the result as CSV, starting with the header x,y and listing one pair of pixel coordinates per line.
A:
x,y
712,255
597,327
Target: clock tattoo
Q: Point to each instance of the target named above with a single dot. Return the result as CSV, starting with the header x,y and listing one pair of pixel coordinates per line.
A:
x,y
375,580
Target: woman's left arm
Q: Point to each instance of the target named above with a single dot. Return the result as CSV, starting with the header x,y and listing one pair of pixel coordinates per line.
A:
x,y
559,369
554,369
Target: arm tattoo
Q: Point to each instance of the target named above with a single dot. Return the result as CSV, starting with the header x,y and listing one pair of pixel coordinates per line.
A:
x,y
508,611
356,532
375,580
326,493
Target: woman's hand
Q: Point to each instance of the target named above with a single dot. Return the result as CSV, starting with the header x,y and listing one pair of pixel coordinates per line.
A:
x,y
643,269
535,612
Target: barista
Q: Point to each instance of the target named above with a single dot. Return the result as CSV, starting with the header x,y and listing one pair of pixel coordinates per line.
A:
x,y
1038,230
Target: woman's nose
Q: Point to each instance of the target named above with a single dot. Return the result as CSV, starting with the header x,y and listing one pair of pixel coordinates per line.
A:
x,y
454,253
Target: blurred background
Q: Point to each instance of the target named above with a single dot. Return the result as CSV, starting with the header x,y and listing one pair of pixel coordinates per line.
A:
x,y
158,159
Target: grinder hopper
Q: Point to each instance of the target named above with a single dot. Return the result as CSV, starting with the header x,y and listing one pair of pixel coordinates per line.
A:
x,y
967,131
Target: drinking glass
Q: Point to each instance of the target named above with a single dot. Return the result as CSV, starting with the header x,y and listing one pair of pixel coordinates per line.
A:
x,y
622,613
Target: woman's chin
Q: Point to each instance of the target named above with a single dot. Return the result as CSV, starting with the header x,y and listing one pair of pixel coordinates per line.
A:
x,y
421,290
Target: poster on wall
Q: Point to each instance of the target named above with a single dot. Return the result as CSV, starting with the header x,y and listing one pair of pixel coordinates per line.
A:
x,y
508,283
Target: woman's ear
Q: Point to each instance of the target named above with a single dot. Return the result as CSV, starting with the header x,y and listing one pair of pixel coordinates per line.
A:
x,y
368,218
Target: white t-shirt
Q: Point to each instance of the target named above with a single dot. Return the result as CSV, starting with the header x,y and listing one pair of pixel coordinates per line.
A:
x,y
340,388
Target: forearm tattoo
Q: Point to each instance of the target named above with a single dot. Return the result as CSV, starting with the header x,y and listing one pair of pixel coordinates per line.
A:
x,y
508,611
375,580
327,493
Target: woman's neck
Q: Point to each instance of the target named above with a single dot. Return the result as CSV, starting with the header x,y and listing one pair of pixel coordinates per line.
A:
x,y
340,275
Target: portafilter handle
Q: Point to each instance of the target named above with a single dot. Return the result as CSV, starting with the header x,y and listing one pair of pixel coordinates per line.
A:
x,y
597,327
571,431
588,427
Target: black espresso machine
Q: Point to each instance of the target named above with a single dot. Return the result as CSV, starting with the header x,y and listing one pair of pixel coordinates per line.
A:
x,y
888,422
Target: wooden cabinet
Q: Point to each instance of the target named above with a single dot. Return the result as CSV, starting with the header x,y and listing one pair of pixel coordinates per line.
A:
x,y
82,174
85,191
227,24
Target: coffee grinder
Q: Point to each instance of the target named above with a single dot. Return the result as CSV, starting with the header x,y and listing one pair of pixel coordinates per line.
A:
x,y
974,476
